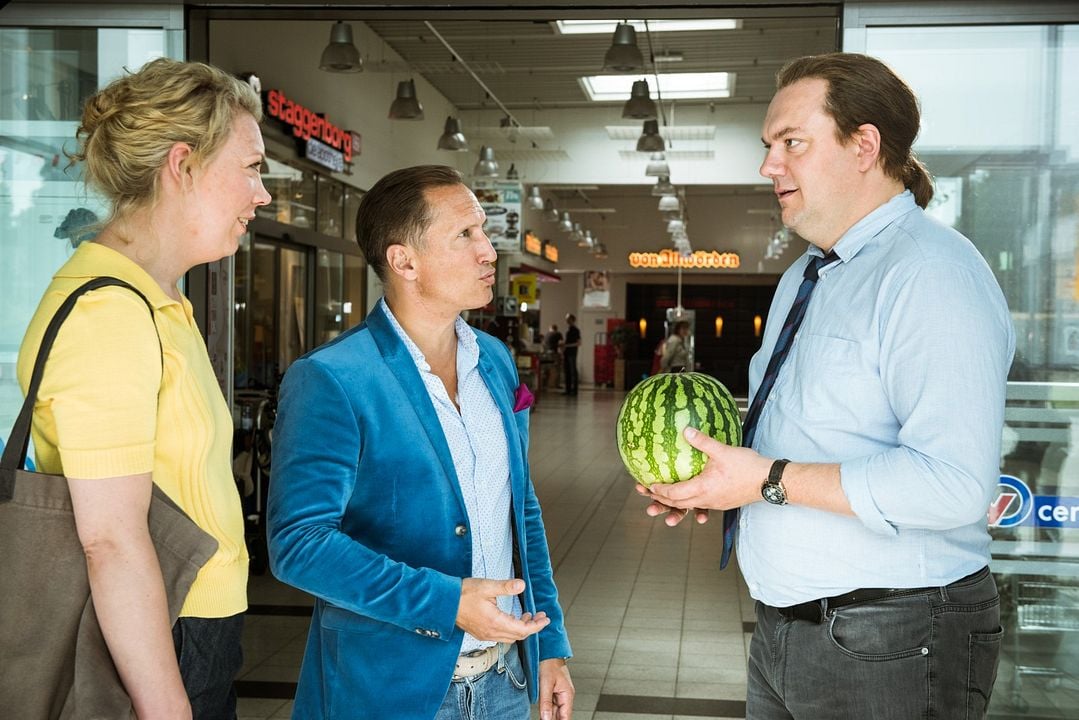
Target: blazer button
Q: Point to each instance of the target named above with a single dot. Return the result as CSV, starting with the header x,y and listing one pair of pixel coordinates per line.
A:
x,y
461,530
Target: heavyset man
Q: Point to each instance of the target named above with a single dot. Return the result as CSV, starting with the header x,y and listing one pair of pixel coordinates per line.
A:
x,y
875,424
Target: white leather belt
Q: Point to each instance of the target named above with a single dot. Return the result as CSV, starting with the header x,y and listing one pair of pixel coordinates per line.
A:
x,y
475,662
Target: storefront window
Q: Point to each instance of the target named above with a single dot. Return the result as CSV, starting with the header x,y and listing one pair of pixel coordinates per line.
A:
x,y
331,206
45,210
1000,134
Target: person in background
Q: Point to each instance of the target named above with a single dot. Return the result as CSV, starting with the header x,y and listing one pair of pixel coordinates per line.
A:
x,y
675,355
569,354
870,464
411,517
552,348
176,150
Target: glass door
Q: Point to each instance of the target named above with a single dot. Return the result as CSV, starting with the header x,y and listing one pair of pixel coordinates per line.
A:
x,y
271,312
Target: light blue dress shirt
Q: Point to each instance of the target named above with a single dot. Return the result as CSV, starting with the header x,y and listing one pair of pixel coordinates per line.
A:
x,y
477,443
898,373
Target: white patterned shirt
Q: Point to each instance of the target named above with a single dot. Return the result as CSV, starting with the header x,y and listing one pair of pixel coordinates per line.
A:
x,y
477,442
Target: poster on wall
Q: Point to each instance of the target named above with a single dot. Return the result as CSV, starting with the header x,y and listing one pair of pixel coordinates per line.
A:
x,y
597,290
501,201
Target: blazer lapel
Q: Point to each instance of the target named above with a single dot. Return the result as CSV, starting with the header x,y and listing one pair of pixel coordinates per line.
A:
x,y
502,394
400,363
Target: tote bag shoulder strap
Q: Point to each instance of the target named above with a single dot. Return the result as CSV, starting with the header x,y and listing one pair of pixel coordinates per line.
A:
x,y
14,456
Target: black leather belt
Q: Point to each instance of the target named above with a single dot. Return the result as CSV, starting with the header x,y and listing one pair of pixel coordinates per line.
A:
x,y
814,610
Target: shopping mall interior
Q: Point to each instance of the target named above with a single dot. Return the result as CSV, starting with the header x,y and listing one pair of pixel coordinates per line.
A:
x,y
615,148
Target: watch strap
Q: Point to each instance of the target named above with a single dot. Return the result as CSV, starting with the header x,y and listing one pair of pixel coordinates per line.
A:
x,y
775,474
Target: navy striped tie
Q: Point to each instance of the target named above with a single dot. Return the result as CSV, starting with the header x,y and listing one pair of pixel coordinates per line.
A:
x,y
779,354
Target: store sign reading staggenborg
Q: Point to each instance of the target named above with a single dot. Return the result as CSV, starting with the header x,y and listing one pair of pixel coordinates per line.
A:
x,y
325,143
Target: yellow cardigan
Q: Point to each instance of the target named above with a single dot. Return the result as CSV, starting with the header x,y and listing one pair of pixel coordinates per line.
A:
x,y
108,407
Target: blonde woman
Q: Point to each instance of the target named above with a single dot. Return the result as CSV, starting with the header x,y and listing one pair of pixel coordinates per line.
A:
x,y
176,150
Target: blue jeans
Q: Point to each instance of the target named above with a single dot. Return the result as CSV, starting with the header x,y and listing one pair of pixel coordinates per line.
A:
x,y
932,655
498,694
210,653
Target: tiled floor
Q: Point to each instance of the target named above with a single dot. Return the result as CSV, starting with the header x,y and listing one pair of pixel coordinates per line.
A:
x,y
657,630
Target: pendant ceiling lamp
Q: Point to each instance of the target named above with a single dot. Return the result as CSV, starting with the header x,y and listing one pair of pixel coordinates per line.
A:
x,y
668,203
650,140
624,55
512,174
565,224
577,235
405,106
452,137
657,166
341,55
535,200
663,187
640,105
550,212
486,166
675,225
600,251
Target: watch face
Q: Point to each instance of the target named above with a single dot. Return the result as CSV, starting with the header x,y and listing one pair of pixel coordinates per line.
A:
x,y
773,493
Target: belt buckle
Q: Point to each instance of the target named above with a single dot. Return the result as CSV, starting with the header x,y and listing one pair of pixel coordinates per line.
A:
x,y
811,611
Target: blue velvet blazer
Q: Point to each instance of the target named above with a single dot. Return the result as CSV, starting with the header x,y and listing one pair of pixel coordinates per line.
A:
x,y
365,512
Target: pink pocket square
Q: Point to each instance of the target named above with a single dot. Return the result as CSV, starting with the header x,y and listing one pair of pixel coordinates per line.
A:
x,y
523,398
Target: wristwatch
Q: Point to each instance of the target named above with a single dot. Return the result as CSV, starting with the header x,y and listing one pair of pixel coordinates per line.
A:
x,y
772,489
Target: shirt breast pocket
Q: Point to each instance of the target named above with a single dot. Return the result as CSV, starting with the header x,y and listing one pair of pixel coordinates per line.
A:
x,y
834,379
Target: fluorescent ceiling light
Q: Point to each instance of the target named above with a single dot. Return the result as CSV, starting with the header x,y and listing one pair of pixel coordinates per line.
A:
x,y
672,86
598,27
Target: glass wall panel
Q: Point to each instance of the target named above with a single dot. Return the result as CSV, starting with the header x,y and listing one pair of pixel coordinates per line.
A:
x,y
329,296
1000,134
45,210
331,206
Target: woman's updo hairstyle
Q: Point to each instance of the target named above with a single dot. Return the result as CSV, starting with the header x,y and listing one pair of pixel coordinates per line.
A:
x,y
129,126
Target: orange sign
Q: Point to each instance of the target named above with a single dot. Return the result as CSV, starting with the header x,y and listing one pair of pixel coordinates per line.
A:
x,y
550,252
673,259
533,244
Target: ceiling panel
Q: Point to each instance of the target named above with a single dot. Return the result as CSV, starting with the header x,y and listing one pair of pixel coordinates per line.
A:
x,y
528,64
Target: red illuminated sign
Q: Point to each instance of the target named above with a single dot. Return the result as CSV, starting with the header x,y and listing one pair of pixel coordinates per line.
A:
x,y
307,124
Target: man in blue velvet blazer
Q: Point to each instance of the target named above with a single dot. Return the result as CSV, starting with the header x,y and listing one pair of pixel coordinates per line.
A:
x,y
401,496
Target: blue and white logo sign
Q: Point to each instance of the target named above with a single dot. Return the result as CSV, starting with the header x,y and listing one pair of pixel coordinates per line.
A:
x,y
1015,505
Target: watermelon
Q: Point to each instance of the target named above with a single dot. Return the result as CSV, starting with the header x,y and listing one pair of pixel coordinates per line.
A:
x,y
654,414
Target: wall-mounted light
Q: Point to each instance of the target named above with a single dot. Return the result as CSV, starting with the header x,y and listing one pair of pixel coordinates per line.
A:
x,y
756,325
341,55
642,324
719,326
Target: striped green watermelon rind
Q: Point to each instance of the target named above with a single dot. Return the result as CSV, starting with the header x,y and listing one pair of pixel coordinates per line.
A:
x,y
654,414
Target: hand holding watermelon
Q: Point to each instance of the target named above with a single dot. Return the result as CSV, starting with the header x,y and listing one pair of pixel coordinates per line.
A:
x,y
731,478
656,412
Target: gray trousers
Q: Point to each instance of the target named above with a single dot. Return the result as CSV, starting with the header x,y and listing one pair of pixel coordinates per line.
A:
x,y
931,655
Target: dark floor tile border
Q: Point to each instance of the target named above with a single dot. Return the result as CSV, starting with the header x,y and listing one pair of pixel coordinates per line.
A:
x,y
292,610
748,627
697,707
265,689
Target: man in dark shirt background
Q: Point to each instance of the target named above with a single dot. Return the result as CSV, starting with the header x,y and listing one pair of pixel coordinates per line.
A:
x,y
569,354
